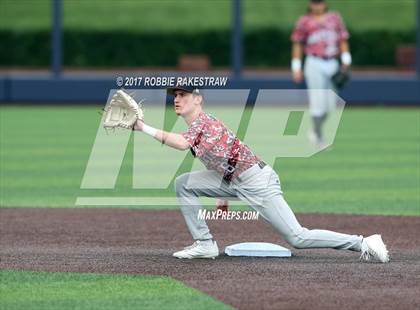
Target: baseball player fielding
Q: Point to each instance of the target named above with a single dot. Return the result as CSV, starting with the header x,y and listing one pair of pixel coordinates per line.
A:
x,y
234,171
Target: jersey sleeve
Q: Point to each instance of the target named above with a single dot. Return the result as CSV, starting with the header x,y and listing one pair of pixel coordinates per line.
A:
x,y
193,132
299,34
342,32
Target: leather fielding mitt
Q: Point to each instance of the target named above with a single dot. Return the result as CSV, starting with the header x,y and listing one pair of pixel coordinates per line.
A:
x,y
340,78
122,111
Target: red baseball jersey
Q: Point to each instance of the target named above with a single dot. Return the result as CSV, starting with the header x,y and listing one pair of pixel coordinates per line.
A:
x,y
217,146
320,37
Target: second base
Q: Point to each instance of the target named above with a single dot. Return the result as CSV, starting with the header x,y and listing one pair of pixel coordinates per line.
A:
x,y
257,249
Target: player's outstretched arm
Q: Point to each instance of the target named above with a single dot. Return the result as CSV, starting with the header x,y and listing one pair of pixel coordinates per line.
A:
x,y
171,139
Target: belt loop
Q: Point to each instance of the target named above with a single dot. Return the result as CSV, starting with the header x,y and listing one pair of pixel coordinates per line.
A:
x,y
261,164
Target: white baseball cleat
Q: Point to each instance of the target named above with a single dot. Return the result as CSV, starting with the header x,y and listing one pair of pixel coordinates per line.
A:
x,y
199,249
312,137
373,246
318,142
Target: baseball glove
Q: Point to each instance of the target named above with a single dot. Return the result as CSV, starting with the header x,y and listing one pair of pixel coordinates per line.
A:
x,y
340,78
122,111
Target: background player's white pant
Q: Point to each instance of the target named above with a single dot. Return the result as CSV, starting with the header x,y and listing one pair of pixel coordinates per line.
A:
x,y
318,73
260,189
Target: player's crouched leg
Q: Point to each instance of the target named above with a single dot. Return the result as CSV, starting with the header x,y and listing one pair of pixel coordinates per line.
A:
x,y
299,240
318,238
193,184
181,185
200,183
187,197
187,190
280,215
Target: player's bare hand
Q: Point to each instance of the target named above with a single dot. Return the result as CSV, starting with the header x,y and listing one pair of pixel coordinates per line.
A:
x,y
345,68
222,205
297,76
138,125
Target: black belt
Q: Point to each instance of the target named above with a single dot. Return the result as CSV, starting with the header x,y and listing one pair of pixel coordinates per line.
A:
x,y
261,164
323,57
231,164
232,161
228,175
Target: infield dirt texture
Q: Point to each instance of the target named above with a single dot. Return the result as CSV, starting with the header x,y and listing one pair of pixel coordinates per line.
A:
x,y
142,241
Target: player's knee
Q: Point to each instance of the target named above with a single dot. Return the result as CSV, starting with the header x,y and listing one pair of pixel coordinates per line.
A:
x,y
298,241
180,183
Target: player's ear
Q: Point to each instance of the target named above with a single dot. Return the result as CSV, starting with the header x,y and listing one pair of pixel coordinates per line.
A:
x,y
198,99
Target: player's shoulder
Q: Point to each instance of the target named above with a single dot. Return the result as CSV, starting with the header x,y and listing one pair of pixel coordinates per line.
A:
x,y
212,121
303,19
334,14
204,120
208,117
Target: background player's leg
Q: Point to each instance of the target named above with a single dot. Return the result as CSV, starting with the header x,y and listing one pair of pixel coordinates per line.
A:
x,y
189,187
331,68
318,121
315,81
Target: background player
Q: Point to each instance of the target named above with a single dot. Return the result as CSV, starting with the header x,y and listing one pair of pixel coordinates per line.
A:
x,y
322,36
234,171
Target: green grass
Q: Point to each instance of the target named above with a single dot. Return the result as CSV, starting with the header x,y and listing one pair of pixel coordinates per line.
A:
x,y
42,290
373,167
192,16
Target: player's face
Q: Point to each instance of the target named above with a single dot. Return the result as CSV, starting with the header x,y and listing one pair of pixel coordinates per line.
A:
x,y
184,102
317,8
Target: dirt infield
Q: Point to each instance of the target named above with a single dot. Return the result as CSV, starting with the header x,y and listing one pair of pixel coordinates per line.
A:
x,y
141,242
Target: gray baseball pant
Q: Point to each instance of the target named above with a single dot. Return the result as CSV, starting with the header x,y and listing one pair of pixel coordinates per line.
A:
x,y
260,189
318,73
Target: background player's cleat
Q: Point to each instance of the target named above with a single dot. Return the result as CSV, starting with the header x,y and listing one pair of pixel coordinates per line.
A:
x,y
199,249
315,140
312,137
373,246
